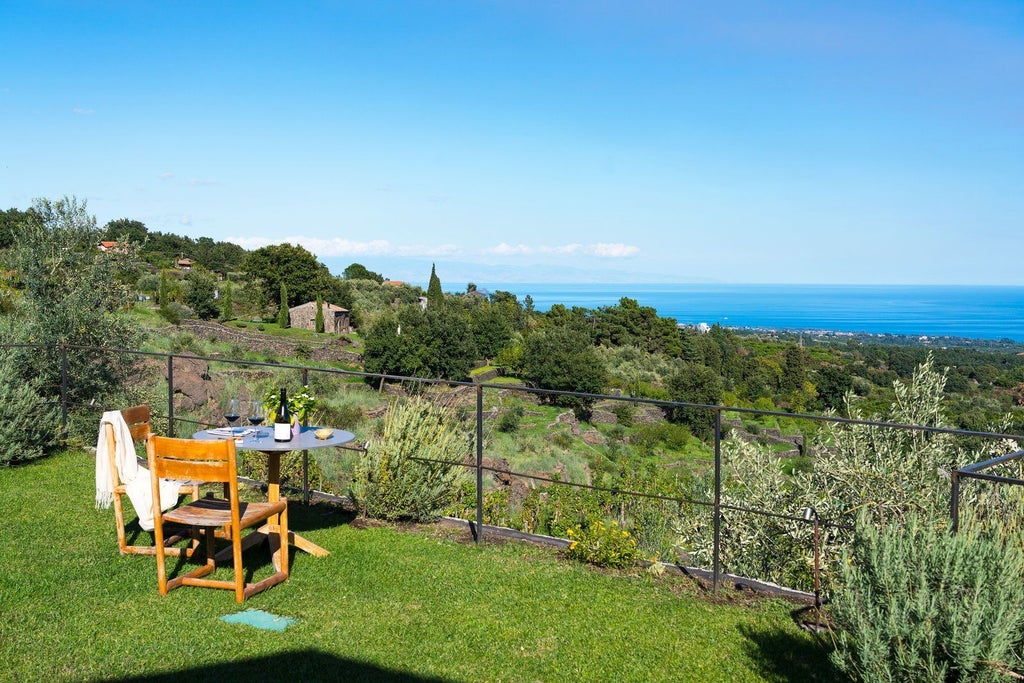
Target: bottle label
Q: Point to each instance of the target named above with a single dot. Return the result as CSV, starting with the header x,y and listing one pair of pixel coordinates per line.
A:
x,y
282,431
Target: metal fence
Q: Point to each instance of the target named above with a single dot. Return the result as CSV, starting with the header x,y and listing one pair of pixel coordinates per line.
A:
x,y
715,506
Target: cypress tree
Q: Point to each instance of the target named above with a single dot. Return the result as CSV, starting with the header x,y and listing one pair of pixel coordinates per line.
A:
x,y
318,323
435,297
226,305
282,311
161,295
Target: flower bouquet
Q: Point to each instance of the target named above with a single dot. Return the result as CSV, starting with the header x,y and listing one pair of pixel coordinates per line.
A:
x,y
301,404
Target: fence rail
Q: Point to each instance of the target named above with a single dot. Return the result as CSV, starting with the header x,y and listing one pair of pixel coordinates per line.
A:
x,y
716,505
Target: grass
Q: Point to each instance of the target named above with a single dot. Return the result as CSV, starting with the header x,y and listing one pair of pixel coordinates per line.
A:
x,y
385,605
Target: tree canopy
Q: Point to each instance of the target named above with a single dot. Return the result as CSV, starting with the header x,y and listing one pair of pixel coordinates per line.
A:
x,y
563,358
300,271
420,343
358,271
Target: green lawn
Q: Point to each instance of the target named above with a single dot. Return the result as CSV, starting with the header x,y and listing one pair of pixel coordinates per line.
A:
x,y
385,605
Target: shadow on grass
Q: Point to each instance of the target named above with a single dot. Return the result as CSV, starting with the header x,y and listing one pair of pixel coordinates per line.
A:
x,y
300,518
785,656
301,665
318,515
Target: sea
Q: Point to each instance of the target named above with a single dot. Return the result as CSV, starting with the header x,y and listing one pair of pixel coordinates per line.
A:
x,y
962,311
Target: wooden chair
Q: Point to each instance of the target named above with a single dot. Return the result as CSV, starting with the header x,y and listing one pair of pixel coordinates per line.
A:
x,y
213,461
137,418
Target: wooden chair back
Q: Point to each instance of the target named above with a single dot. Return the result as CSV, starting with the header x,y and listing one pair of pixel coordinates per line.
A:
x,y
207,460
138,420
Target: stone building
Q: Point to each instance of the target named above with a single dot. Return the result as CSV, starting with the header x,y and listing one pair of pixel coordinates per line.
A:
x,y
336,318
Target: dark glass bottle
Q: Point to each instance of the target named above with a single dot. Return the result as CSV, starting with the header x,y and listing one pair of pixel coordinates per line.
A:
x,y
283,420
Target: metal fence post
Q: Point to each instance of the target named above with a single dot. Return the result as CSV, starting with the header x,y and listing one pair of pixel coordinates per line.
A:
x,y
718,500
64,392
954,502
305,454
170,395
817,562
479,463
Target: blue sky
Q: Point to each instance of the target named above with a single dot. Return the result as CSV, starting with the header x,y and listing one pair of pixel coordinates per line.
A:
x,y
514,141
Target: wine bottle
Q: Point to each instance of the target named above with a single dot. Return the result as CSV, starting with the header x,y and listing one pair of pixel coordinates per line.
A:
x,y
283,420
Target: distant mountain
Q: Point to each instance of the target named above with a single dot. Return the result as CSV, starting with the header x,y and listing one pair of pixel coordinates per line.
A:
x,y
455,274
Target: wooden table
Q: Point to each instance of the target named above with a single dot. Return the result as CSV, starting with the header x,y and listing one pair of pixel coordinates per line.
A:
x,y
304,440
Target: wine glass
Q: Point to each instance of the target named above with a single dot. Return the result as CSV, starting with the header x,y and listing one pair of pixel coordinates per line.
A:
x,y
256,416
233,412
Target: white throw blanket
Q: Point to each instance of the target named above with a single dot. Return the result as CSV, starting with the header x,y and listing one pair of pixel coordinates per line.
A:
x,y
134,477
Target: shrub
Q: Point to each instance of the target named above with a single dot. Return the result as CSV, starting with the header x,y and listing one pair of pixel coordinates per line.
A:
x,y
562,440
28,424
390,484
919,604
510,419
347,415
605,545
171,315
671,436
624,412
186,341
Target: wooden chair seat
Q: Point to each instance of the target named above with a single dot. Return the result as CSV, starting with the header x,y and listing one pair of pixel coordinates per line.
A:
x,y
216,512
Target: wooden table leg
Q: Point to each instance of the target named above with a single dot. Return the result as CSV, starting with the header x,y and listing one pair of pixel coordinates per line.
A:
x,y
274,494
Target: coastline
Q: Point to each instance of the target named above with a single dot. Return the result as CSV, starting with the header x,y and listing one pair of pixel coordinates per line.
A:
x,y
949,314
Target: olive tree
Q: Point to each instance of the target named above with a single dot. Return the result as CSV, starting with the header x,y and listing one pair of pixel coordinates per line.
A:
x,y
73,296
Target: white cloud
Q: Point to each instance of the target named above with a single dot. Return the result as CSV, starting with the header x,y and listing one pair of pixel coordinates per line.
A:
x,y
504,249
185,219
166,176
201,181
344,247
81,111
612,250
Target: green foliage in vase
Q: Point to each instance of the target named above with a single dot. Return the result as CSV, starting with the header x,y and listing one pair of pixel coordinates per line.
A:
x,y
407,473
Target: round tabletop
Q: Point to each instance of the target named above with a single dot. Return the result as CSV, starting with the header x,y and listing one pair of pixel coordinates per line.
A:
x,y
263,440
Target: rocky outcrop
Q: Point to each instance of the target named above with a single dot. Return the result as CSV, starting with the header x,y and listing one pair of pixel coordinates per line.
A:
x,y
194,388
603,417
567,418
